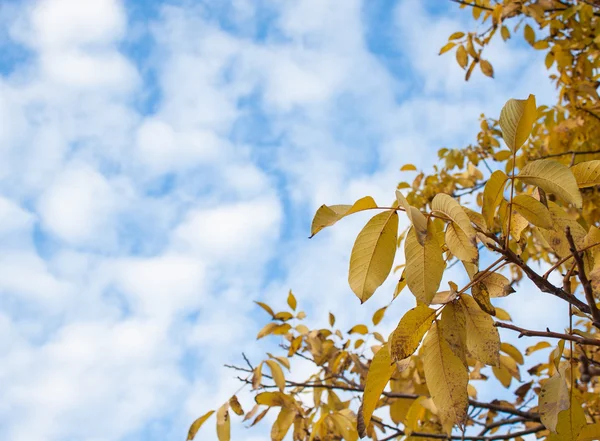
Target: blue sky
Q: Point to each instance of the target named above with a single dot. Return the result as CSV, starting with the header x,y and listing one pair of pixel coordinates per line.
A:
x,y
160,163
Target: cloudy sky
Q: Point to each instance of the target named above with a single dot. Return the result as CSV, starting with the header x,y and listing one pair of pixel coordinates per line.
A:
x,y
160,163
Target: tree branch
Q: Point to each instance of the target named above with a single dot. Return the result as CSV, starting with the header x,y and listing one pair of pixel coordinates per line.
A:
x,y
585,282
548,334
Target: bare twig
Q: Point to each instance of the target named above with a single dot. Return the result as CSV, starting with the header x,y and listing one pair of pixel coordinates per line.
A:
x,y
548,334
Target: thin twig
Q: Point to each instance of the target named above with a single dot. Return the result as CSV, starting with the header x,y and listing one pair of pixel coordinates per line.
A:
x,y
548,334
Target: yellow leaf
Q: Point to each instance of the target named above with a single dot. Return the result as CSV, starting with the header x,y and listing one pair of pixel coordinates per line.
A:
x,y
424,266
409,332
589,432
461,56
496,284
460,245
570,423
447,47
408,167
236,406
415,413
283,315
359,329
533,210
399,409
345,426
483,340
197,424
416,218
400,285
554,398
503,375
552,177
373,254
486,68
505,33
511,366
536,347
453,328
378,316
282,424
277,374
331,319
516,121
587,174
223,423
274,399
326,215
379,374
482,297
509,349
257,376
448,206
447,379
273,328
282,360
252,412
291,301
456,35
266,308
529,34
501,314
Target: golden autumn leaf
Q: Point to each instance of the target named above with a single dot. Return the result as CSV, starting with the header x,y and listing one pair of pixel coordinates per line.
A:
x,y
482,297
197,424
483,340
552,177
409,332
509,349
505,33
424,266
554,398
373,254
448,206
345,426
529,34
236,406
282,424
266,308
408,167
379,374
533,210
460,245
327,215
223,423
453,327
461,56
274,399
359,329
587,174
492,195
416,412
589,432
378,315
416,218
516,120
291,301
277,374
447,379
570,423
486,68
496,284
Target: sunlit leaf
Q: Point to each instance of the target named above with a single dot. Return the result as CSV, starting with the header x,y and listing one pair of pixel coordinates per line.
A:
x,y
516,120
291,301
554,398
197,424
277,374
409,332
380,372
424,266
483,340
373,254
282,424
533,210
447,379
328,215
492,195
223,423
587,174
552,177
417,219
